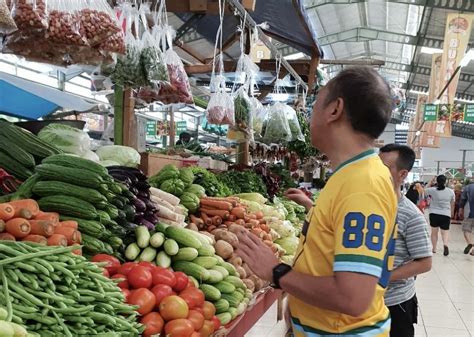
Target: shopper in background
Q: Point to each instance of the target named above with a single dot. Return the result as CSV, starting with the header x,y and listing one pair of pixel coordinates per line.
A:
x,y
184,139
468,223
441,211
412,194
342,264
457,202
412,246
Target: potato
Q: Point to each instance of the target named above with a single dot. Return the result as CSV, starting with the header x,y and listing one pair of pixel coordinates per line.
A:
x,y
192,226
257,281
249,284
223,249
235,260
223,234
248,271
236,229
209,235
241,272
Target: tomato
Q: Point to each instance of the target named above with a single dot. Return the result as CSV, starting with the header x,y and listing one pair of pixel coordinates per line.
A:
x,y
163,276
173,307
190,284
144,299
196,318
113,264
207,328
122,284
179,328
106,273
196,334
161,291
126,293
140,277
150,266
216,322
199,309
182,281
209,310
193,296
126,267
153,324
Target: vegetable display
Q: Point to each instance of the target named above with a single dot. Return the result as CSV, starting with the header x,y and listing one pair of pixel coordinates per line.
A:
x,y
53,292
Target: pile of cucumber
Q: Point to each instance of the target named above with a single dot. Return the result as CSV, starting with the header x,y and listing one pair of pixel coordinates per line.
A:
x,y
82,190
193,253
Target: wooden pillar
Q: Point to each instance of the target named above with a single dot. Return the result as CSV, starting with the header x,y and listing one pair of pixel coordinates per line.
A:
x,y
172,127
118,116
129,120
243,153
313,67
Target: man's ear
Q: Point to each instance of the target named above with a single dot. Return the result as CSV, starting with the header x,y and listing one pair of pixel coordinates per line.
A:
x,y
403,174
336,110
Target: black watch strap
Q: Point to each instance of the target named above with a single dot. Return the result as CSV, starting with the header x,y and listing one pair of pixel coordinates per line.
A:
x,y
278,272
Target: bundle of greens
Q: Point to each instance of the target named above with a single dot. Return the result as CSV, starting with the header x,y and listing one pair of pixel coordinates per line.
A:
x,y
243,182
213,186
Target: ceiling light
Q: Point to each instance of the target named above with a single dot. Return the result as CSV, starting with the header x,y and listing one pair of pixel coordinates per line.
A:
x,y
418,92
428,50
418,133
294,56
437,101
464,100
467,58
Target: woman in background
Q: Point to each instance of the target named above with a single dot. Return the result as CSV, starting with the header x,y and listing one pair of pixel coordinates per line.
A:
x,y
457,201
441,211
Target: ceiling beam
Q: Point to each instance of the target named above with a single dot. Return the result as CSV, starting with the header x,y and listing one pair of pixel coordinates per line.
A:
x,y
458,5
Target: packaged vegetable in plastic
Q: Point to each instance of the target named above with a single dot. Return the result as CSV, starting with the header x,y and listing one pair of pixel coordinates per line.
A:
x,y
294,124
151,60
65,25
220,109
123,155
179,89
277,129
242,110
30,15
99,22
259,114
7,24
69,139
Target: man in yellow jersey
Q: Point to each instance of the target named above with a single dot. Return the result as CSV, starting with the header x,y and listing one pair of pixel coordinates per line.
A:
x,y
342,266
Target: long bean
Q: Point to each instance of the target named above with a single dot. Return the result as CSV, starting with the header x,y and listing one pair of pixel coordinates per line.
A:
x,y
6,293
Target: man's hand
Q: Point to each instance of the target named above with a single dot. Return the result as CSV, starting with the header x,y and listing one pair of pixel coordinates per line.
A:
x,y
257,255
299,197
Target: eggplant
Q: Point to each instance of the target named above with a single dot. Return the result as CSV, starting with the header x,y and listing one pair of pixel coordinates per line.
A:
x,y
143,194
138,217
149,204
140,205
147,223
130,175
152,218
123,179
134,190
143,186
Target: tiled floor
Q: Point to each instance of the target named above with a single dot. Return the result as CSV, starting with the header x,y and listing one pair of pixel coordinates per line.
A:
x,y
446,296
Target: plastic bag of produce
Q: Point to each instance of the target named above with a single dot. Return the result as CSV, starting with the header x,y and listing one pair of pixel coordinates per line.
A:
x,y
30,16
66,138
259,113
99,22
277,129
7,24
151,60
65,25
178,90
124,155
220,110
115,43
294,124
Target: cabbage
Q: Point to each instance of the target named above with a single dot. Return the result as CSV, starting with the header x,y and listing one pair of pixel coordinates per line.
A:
x,y
66,138
107,163
288,259
289,244
91,156
255,197
283,228
268,211
124,155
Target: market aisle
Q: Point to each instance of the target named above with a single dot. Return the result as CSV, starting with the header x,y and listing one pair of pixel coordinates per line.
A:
x,y
446,296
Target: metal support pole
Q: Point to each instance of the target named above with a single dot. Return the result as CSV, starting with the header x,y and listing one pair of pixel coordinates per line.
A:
x,y
437,166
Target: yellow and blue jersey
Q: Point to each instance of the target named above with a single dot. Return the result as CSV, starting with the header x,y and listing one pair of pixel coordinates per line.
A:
x,y
351,229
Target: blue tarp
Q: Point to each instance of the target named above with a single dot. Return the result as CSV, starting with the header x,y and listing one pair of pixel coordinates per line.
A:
x,y
29,100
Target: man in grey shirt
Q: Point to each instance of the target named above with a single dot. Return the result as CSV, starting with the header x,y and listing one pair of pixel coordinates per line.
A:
x,y
468,223
412,246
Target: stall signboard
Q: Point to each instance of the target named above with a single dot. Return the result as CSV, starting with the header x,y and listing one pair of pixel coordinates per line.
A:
x,y
181,127
151,128
469,113
430,112
447,112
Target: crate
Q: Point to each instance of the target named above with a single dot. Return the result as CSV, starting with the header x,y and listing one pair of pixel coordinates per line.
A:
x,y
151,163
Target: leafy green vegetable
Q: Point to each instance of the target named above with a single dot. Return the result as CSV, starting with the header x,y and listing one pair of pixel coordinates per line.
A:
x,y
190,201
66,138
244,182
208,180
173,186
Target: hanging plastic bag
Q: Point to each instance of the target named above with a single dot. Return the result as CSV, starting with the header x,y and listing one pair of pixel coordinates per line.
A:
x,y
178,90
220,110
277,127
99,22
30,16
259,113
65,25
7,24
294,124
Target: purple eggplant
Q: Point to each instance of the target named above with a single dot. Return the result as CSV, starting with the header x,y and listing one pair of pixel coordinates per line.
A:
x,y
147,223
143,194
143,186
138,217
149,204
133,189
140,205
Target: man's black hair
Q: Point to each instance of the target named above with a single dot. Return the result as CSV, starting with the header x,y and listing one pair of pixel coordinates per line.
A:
x,y
406,156
184,135
367,99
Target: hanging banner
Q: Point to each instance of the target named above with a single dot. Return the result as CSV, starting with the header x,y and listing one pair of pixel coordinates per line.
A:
x,y
428,136
456,39
469,113
430,112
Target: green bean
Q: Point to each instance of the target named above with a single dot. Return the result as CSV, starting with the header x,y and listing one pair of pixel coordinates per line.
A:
x,y
22,277
22,257
24,308
79,319
75,310
12,275
27,267
102,318
83,299
26,295
17,320
6,293
44,263
38,318
61,323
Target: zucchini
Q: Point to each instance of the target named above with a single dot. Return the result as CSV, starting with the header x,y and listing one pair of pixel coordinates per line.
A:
x,y
68,205
214,276
206,261
233,312
71,175
191,269
112,211
225,287
114,187
143,236
206,250
25,191
67,160
236,281
92,244
47,188
148,254
157,240
224,317
221,270
229,267
211,293
221,305
132,251
233,299
171,247
104,218
14,167
185,254
117,203
161,227
114,241
163,260
129,212
90,227
28,141
13,150
183,236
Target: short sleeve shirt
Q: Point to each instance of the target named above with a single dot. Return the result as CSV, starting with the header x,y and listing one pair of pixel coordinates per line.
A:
x,y
440,200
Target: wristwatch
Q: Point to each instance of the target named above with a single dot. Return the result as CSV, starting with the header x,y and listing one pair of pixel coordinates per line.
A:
x,y
279,271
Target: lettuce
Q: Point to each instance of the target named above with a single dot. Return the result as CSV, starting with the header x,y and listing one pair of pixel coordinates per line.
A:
x,y
66,138
255,197
289,244
283,228
124,155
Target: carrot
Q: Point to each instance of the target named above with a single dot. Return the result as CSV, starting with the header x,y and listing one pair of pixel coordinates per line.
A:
x,y
79,238
216,220
213,212
69,223
18,227
267,237
196,220
7,236
240,222
239,212
23,213
232,217
216,204
42,227
29,204
257,231
211,228
254,223
36,238
77,251
6,211
70,233
57,240
49,216
206,219
265,228
259,215
2,226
